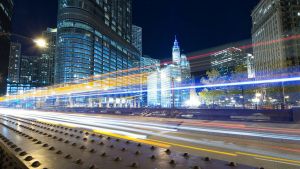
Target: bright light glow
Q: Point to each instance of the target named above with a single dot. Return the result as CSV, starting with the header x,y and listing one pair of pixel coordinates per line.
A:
x,y
258,95
178,79
142,129
255,100
163,75
41,43
194,102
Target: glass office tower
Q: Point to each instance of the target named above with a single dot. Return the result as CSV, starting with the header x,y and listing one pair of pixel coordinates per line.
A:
x,y
6,11
94,37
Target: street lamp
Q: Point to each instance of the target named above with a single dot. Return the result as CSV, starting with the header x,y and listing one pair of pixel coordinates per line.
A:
x,y
40,43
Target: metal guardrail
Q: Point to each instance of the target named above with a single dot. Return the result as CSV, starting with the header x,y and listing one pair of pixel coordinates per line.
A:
x,y
32,144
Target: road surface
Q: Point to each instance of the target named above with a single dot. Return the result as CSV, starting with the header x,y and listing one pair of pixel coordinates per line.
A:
x,y
272,146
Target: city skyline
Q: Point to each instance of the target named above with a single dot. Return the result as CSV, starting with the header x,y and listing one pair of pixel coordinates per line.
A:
x,y
118,84
195,32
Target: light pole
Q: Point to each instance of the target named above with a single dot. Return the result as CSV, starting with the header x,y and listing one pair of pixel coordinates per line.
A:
x,y
283,95
39,42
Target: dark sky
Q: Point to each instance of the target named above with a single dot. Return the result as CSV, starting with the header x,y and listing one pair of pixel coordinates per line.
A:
x,y
199,24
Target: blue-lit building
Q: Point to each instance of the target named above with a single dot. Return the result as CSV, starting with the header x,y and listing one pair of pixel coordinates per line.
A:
x,y
47,59
94,37
163,84
6,11
148,66
137,38
22,71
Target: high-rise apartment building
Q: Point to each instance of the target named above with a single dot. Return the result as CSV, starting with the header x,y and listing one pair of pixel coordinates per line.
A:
x,y
94,37
6,11
275,23
137,38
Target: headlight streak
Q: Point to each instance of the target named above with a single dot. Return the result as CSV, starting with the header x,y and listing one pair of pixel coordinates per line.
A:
x,y
107,75
280,80
93,123
146,125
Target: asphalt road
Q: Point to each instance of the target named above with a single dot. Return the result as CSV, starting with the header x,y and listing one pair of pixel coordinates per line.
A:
x,y
272,146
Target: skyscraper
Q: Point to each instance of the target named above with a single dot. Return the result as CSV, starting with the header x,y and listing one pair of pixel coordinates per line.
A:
x,y
137,38
94,37
176,52
6,10
163,84
148,65
275,22
22,71
225,61
14,63
47,58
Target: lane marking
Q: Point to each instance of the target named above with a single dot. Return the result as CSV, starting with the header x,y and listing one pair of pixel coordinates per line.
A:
x,y
277,161
196,148
269,158
154,143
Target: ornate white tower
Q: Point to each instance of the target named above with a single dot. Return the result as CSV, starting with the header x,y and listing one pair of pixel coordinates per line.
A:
x,y
176,52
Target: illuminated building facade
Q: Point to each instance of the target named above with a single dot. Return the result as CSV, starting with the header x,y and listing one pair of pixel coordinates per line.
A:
x,y
153,89
14,63
137,38
47,58
94,37
162,83
274,20
22,71
226,60
148,65
6,11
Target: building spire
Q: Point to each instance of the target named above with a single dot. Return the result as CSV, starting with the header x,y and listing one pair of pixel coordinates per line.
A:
x,y
176,52
176,44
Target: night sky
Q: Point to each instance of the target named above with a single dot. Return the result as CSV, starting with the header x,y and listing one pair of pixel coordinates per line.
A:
x,y
199,24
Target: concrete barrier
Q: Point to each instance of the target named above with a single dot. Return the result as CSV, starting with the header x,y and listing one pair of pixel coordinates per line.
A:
x,y
296,115
291,115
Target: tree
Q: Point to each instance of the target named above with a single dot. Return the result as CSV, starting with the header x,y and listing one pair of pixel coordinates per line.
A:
x,y
210,95
212,77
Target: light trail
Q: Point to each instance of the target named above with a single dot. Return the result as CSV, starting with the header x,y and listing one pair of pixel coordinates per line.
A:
x,y
139,127
94,79
147,135
270,81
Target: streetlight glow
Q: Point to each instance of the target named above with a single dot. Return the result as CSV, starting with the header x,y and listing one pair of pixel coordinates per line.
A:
x,y
41,43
